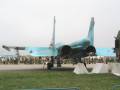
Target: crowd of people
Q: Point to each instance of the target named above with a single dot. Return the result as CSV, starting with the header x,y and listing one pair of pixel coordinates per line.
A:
x,y
23,60
98,59
44,60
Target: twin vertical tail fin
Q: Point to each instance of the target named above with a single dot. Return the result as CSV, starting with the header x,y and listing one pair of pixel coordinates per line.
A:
x,y
52,44
91,32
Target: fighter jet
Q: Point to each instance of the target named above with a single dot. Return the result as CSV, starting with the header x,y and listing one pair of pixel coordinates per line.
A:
x,y
78,49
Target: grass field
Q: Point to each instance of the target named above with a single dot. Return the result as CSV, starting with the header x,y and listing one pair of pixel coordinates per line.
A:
x,y
13,80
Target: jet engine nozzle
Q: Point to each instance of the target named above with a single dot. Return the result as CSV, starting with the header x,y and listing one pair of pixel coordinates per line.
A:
x,y
65,50
91,49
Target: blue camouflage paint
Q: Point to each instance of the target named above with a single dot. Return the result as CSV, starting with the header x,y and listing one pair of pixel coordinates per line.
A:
x,y
42,51
91,32
105,52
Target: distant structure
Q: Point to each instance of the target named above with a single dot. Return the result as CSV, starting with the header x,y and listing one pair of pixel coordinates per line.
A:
x,y
117,45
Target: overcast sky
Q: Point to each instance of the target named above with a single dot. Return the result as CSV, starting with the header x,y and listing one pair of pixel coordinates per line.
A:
x,y
30,22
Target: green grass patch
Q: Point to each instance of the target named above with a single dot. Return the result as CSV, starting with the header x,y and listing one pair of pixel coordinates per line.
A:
x,y
13,80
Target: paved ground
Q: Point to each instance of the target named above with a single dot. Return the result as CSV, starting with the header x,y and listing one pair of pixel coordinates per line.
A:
x,y
36,67
20,67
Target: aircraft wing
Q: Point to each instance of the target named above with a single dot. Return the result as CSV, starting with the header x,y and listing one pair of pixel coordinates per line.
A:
x,y
105,52
42,51
13,47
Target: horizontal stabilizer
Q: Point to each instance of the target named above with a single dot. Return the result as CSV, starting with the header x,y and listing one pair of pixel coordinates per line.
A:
x,y
105,52
41,51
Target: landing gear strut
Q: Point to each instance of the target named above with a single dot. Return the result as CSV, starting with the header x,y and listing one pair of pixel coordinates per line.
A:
x,y
51,63
58,62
